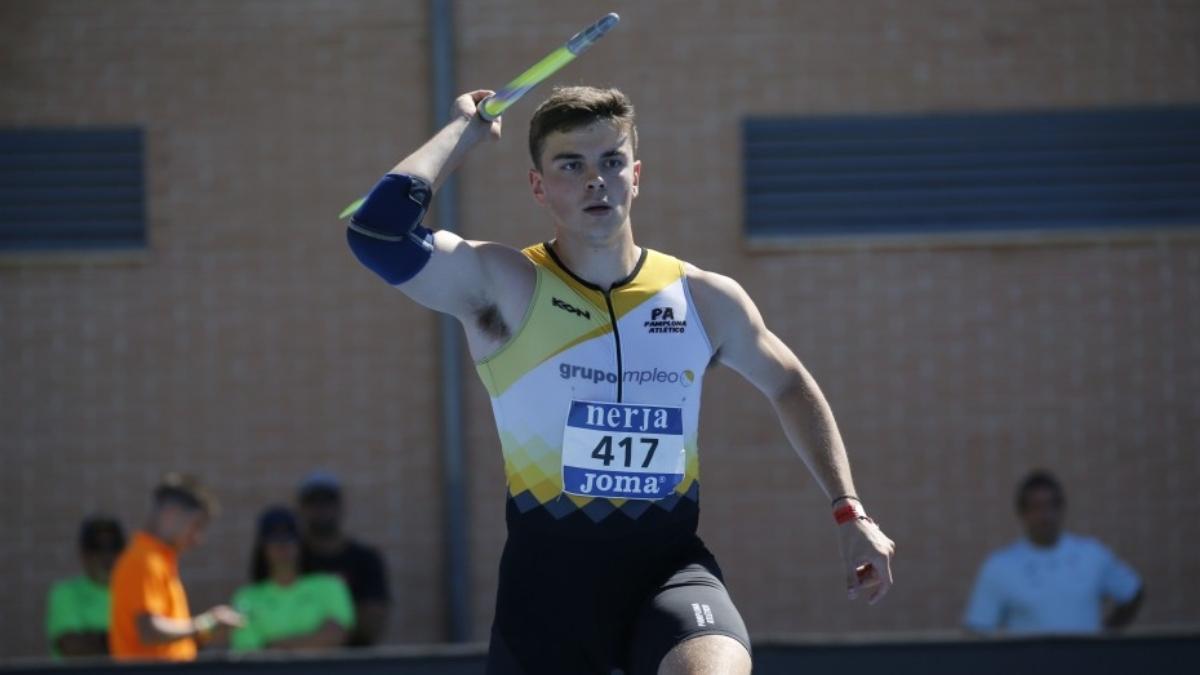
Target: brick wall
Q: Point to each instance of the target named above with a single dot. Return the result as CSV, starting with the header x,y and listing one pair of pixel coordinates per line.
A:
x,y
249,347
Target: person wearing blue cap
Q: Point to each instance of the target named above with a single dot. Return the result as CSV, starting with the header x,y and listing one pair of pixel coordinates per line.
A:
x,y
325,547
284,608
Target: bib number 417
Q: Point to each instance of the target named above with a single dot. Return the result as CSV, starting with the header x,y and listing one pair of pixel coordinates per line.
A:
x,y
623,450
604,450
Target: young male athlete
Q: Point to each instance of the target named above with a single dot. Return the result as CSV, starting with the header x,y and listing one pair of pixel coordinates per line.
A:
x,y
593,351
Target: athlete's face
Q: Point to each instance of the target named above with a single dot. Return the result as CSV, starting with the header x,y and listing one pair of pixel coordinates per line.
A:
x,y
588,179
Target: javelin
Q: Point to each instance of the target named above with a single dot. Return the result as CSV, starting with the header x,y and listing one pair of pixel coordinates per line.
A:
x,y
494,106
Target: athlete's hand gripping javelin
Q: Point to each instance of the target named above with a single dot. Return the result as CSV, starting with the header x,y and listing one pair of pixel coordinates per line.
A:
x,y
466,106
442,154
489,106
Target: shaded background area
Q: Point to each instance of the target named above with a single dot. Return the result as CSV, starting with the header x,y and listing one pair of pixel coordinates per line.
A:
x,y
246,345
902,657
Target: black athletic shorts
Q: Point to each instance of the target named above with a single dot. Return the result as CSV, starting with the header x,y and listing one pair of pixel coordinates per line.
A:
x,y
581,607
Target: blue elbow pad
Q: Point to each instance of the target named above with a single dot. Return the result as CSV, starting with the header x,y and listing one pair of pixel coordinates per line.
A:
x,y
395,261
385,233
393,208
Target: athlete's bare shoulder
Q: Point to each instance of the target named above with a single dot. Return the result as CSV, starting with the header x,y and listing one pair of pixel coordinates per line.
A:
x,y
508,267
738,333
724,306
707,281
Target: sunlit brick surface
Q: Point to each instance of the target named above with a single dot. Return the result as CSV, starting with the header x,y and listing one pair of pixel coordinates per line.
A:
x,y
249,347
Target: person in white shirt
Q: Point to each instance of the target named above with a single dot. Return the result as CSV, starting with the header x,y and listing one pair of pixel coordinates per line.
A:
x,y
1051,581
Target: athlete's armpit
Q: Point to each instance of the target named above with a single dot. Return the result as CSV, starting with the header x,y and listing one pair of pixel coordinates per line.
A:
x,y
489,322
487,286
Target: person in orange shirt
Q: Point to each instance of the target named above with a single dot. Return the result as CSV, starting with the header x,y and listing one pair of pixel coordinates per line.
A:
x,y
149,616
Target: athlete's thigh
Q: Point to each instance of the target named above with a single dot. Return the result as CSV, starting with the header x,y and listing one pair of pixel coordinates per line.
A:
x,y
707,655
692,603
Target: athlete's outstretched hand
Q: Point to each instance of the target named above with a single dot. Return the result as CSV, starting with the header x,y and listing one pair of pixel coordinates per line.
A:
x,y
867,555
465,106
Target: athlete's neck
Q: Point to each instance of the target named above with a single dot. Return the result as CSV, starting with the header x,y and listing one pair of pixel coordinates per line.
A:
x,y
602,264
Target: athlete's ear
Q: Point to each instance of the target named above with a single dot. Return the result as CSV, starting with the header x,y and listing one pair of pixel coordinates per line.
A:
x,y
535,184
637,176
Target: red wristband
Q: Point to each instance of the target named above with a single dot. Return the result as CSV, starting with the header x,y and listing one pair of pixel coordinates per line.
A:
x,y
848,511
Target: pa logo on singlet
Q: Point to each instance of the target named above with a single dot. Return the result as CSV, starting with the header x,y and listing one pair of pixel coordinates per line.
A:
x,y
662,320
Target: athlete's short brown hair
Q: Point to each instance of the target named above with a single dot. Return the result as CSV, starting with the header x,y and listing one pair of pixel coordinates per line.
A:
x,y
570,108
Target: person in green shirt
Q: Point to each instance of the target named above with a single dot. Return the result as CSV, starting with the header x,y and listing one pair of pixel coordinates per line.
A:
x,y
77,608
285,609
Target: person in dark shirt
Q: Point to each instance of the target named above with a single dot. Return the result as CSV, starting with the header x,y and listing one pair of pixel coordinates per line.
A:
x,y
326,548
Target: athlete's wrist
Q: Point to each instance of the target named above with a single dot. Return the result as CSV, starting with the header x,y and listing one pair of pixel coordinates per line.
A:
x,y
837,500
472,127
849,509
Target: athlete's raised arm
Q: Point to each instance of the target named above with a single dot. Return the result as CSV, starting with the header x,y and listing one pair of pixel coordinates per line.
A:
x,y
486,285
743,342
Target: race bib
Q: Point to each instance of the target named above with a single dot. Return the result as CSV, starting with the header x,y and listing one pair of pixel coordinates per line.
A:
x,y
622,450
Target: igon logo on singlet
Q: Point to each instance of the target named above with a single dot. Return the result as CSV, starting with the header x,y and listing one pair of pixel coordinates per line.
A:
x,y
582,313
621,450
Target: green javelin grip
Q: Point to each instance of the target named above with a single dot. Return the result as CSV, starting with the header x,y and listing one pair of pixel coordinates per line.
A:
x,y
495,105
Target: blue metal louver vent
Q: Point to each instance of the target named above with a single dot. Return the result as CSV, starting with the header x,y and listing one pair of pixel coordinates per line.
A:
x,y
71,189
931,174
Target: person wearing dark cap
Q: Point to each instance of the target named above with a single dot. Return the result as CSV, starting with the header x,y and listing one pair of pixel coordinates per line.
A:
x,y
283,608
326,548
149,617
77,608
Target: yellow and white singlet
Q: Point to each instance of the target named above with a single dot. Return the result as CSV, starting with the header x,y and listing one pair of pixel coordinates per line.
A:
x,y
596,396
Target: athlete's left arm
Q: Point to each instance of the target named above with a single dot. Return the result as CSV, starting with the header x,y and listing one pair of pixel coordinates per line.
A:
x,y
742,341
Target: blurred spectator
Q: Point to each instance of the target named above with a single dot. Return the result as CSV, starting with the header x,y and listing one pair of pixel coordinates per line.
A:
x,y
283,608
1051,581
150,617
77,610
325,548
